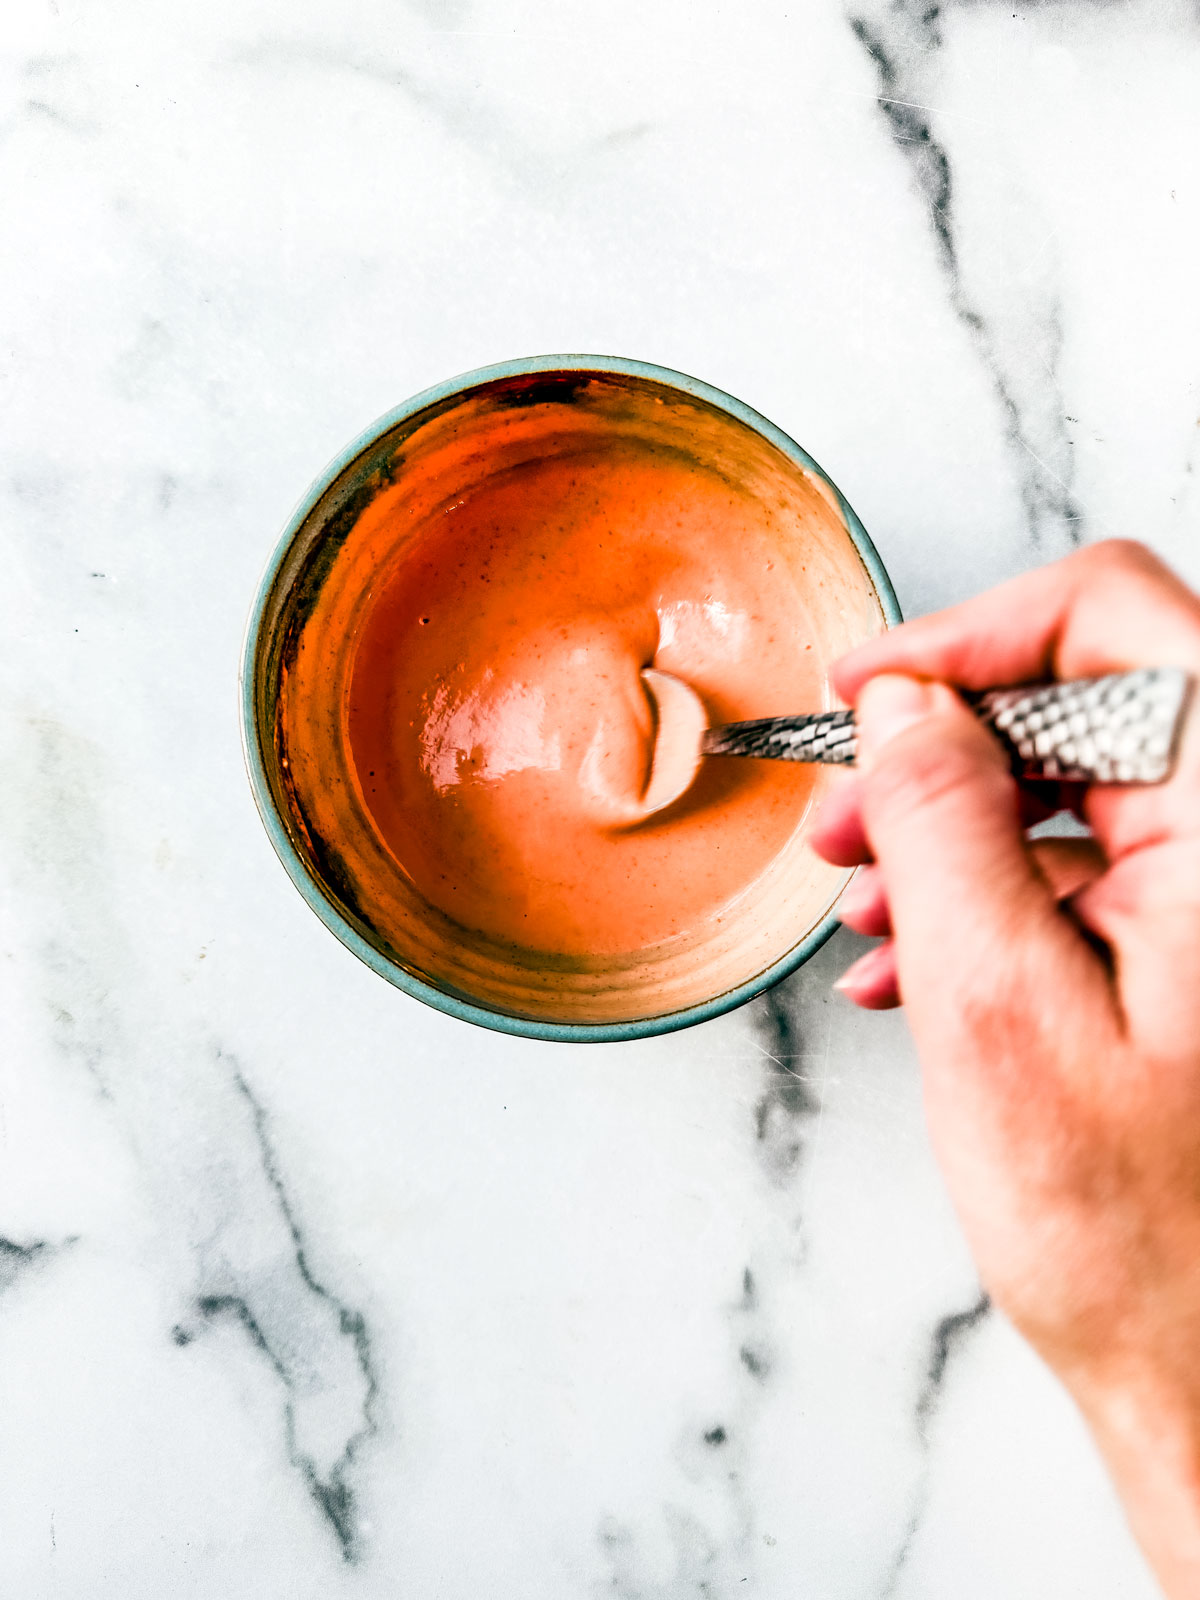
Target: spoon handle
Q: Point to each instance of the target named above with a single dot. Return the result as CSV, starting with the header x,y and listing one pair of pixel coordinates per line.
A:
x,y
1118,729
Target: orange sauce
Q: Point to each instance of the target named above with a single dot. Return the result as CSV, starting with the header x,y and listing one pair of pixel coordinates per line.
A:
x,y
498,726
453,719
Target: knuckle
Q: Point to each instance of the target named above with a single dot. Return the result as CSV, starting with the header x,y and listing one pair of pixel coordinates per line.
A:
x,y
1132,579
1121,556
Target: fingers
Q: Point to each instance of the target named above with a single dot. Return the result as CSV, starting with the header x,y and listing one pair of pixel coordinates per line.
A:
x,y
837,831
872,982
1109,607
1067,865
971,912
863,905
1146,911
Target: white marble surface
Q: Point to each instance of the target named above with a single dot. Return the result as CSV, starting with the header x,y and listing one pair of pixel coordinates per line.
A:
x,y
306,1291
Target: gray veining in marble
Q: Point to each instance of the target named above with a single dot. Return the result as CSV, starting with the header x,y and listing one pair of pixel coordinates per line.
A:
x,y
1020,339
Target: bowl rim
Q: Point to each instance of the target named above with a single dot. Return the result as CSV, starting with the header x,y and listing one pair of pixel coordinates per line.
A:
x,y
285,849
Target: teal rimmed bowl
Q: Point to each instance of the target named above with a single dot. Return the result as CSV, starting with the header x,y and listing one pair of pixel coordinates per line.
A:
x,y
308,607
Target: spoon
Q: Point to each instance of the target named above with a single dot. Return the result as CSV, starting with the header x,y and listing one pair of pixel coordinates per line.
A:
x,y
1122,728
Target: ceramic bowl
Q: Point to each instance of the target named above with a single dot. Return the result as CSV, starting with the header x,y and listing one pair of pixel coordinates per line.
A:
x,y
299,655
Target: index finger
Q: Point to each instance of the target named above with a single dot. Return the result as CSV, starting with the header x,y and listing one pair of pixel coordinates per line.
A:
x,y
1107,608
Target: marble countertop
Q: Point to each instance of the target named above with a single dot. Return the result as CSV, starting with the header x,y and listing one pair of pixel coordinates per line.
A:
x,y
307,1291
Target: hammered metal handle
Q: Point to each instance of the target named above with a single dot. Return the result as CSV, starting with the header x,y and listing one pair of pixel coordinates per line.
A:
x,y
1119,729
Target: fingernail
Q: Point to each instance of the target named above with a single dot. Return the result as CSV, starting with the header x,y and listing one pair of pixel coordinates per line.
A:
x,y
857,972
886,707
871,981
852,978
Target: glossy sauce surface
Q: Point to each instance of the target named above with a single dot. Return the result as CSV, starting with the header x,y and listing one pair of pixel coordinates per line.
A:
x,y
498,726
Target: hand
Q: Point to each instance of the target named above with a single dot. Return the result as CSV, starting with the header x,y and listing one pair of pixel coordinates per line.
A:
x,y
1053,991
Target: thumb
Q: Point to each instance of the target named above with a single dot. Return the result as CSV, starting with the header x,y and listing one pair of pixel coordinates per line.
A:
x,y
970,911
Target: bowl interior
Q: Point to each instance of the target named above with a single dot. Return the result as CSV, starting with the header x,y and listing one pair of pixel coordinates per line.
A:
x,y
364,521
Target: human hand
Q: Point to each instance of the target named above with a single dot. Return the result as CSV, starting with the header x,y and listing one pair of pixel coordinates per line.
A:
x,y
1053,991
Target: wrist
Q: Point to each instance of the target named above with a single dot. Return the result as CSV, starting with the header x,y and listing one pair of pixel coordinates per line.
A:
x,y
1148,1431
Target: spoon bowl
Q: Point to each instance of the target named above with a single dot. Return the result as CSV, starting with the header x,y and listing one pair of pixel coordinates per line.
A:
x,y
680,723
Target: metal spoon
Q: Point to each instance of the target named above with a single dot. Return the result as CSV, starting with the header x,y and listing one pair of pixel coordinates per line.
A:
x,y
1122,728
